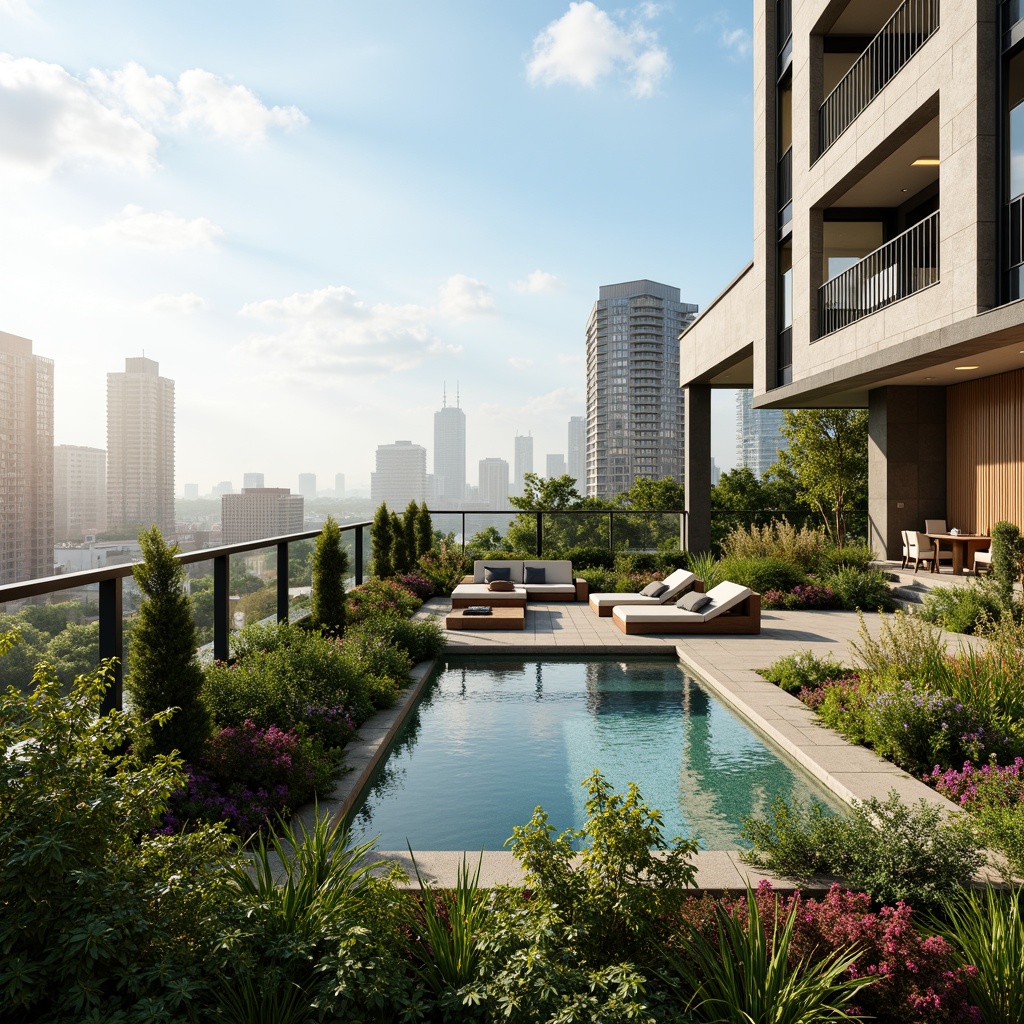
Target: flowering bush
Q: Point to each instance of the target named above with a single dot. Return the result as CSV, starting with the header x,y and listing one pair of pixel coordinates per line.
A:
x,y
381,595
417,585
802,596
204,801
333,724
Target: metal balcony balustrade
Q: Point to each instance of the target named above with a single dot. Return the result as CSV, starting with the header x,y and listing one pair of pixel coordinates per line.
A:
x,y
909,28
900,268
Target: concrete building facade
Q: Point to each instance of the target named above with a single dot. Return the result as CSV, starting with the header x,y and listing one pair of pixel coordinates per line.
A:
x,y
576,451
260,512
449,455
307,485
493,488
26,461
554,465
140,447
635,423
253,480
79,492
888,253
401,474
523,462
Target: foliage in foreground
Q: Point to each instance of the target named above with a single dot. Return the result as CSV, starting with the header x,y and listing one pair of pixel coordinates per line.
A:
x,y
329,569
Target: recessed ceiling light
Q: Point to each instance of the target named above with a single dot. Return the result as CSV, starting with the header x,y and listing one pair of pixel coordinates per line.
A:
x,y
926,161
929,378
965,367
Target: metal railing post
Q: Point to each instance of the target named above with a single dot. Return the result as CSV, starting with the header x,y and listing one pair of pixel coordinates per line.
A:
x,y
221,606
540,534
112,642
611,532
357,554
282,581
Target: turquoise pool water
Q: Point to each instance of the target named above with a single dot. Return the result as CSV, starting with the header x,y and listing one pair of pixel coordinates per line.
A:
x,y
491,739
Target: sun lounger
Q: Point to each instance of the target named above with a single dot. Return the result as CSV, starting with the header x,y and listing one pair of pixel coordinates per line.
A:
x,y
679,582
732,609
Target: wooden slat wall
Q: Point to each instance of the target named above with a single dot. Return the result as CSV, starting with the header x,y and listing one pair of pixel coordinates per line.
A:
x,y
985,452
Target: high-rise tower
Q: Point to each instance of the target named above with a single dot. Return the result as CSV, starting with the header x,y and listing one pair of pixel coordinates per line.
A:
x,y
401,474
576,453
140,447
79,492
523,461
634,405
759,437
26,461
450,453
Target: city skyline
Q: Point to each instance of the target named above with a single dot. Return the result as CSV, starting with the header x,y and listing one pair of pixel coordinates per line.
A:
x,y
310,245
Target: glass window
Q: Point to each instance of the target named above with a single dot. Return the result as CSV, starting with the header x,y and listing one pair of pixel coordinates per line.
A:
x,y
1015,149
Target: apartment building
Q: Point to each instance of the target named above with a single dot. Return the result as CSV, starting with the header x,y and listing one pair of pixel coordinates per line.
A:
x,y
79,492
634,406
888,253
260,512
493,487
523,463
400,476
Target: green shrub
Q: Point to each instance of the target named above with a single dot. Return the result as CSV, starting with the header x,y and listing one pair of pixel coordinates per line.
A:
x,y
851,556
793,672
1007,560
589,558
780,540
861,589
628,563
887,849
761,573
376,597
600,581
704,565
422,639
330,567
424,531
370,642
906,647
382,542
444,567
959,609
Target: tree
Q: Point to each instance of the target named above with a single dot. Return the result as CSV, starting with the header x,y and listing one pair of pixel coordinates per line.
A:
x,y
243,581
647,531
554,495
751,500
75,651
1007,560
647,495
381,543
424,531
828,455
399,551
412,511
330,567
164,671
489,539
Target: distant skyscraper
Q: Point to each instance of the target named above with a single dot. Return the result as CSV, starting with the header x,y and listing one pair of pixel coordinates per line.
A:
x,y
253,480
140,447
26,461
634,404
79,492
307,485
493,490
759,437
450,454
716,473
339,485
191,492
555,466
401,474
523,461
224,487
258,513
576,453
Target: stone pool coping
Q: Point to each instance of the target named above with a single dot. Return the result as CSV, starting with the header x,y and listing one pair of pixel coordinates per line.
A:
x,y
726,665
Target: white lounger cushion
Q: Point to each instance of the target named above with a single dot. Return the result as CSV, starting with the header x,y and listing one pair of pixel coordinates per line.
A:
x,y
723,597
677,582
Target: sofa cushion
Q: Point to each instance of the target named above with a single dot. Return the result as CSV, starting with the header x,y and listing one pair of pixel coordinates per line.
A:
x,y
497,572
654,589
534,574
501,585
556,570
514,565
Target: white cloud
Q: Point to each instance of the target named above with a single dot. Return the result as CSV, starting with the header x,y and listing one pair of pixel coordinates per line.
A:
x,y
187,302
463,297
539,282
19,10
737,40
133,226
565,360
586,45
520,362
49,118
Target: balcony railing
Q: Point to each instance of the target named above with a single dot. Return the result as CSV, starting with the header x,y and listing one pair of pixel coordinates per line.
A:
x,y
909,28
784,31
894,271
784,188
784,358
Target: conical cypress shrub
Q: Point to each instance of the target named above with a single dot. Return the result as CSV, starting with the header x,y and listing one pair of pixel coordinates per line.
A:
x,y
330,567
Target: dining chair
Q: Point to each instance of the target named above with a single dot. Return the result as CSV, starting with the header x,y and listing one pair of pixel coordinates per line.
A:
x,y
945,553
982,560
906,547
921,549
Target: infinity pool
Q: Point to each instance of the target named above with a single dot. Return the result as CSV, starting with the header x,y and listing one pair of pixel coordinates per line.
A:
x,y
491,739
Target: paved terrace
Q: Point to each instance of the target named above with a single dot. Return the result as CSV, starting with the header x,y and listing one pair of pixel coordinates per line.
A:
x,y
726,664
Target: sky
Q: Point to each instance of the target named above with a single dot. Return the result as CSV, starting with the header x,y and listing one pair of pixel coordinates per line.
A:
x,y
319,216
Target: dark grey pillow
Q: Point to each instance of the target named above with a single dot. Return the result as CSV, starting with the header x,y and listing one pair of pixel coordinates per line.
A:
x,y
492,573
654,589
693,602
535,574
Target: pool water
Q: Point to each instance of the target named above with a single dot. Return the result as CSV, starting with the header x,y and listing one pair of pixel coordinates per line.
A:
x,y
492,739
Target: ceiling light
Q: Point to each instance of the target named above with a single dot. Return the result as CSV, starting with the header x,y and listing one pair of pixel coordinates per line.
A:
x,y
965,367
929,378
926,161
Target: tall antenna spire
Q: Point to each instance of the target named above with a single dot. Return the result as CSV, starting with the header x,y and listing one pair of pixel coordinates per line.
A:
x,y
457,405
444,395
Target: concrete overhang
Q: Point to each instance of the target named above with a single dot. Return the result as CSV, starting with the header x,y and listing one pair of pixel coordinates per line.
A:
x,y
989,343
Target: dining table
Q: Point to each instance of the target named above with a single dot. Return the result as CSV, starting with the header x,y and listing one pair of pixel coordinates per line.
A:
x,y
963,546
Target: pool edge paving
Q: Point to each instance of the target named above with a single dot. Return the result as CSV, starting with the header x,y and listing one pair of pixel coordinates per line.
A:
x,y
726,664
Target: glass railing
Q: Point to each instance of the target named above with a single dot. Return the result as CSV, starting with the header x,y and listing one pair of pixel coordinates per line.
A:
x,y
909,28
784,188
784,358
896,270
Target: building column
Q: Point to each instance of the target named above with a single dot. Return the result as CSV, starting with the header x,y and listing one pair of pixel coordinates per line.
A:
x,y
906,463
697,466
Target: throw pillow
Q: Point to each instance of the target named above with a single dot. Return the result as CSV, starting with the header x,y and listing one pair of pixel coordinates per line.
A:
x,y
693,602
501,585
497,573
654,589
535,574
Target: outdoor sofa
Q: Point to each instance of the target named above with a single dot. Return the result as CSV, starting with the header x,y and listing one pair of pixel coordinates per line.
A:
x,y
535,579
731,609
676,583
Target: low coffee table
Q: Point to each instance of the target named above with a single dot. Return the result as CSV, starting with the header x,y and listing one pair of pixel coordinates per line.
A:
x,y
500,618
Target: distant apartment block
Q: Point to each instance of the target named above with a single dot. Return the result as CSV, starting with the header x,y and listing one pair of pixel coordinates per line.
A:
x,y
339,485
554,466
222,488
401,474
634,405
307,485
576,452
79,492
449,455
260,512
253,480
140,447
26,461
759,437
523,463
493,488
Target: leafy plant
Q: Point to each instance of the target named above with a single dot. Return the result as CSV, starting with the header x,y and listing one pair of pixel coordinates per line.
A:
x,y
1007,560
959,609
401,556
906,646
706,566
792,672
804,548
863,589
761,573
444,567
424,531
163,670
382,543
746,976
330,567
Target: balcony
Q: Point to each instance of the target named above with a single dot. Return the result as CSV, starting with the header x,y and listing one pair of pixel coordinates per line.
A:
x,y
900,268
784,188
910,27
784,32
